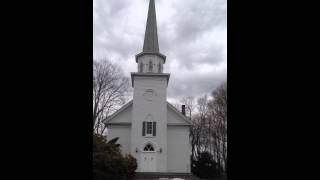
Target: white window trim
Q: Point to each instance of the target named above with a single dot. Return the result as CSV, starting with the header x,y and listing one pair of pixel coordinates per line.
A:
x,y
149,136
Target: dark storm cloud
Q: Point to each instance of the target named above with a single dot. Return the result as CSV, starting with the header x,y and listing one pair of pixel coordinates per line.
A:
x,y
192,34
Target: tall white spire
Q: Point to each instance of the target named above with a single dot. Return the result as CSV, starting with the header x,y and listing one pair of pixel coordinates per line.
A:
x,y
151,45
151,35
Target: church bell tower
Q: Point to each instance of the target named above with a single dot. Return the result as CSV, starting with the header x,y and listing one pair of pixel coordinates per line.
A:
x,y
149,114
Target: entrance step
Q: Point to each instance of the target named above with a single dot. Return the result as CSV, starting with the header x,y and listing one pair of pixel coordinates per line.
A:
x,y
164,176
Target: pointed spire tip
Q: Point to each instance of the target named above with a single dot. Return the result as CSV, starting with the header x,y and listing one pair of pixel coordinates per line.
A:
x,y
151,36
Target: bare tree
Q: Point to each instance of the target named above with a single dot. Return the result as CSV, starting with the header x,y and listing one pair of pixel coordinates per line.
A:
x,y
109,88
219,105
198,128
209,130
218,118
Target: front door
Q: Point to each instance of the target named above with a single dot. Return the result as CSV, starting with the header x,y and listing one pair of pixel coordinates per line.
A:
x,y
148,162
148,159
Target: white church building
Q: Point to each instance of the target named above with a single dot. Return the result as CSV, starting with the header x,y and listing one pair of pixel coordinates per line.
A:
x,y
149,127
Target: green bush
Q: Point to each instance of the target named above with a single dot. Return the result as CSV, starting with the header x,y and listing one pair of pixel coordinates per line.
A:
x,y
108,162
204,166
131,166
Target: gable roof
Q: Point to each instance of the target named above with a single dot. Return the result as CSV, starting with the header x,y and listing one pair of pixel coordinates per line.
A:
x,y
124,107
130,103
188,121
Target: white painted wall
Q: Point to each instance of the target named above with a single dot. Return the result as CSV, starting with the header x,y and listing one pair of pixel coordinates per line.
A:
x,y
155,105
124,133
178,149
121,131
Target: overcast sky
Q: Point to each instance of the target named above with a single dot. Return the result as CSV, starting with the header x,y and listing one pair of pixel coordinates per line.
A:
x,y
192,34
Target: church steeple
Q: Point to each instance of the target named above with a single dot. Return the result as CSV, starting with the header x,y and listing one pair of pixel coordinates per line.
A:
x,y
150,44
151,35
150,61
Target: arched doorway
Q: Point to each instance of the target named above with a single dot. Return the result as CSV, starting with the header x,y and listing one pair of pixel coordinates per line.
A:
x,y
148,158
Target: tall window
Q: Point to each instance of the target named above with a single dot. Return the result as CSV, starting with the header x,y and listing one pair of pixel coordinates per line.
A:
x,y
149,128
150,66
159,68
141,67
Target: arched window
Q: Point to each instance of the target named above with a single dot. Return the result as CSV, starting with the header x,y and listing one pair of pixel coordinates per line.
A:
x,y
148,147
150,66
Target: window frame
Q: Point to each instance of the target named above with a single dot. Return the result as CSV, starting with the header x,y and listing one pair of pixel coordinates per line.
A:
x,y
147,130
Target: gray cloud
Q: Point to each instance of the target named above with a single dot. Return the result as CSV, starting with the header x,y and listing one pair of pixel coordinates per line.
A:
x,y
192,34
194,85
194,18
